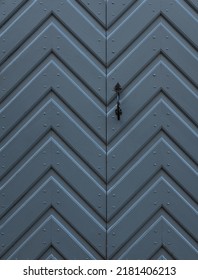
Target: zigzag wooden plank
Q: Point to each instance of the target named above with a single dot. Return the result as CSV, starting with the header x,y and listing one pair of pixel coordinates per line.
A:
x,y
162,254
51,254
140,57
151,241
96,9
178,15
139,135
41,200
24,139
48,234
116,8
36,244
71,247
64,10
40,162
93,192
136,61
45,119
40,49
185,58
160,117
119,39
25,176
34,91
160,77
144,208
159,234
160,155
193,3
184,95
52,195
9,8
177,244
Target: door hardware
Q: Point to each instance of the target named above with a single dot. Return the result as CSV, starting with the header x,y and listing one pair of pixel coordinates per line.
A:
x,y
118,110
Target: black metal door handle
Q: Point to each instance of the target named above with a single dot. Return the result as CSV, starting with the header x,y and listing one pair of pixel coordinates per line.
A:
x,y
118,110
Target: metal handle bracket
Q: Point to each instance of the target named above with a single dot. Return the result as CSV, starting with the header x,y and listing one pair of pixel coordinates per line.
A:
x,y
118,110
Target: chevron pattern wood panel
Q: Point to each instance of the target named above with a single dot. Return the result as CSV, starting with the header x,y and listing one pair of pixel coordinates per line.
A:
x,y
152,156
53,131
76,183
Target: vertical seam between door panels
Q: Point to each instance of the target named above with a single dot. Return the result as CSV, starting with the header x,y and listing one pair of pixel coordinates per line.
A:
x,y
106,109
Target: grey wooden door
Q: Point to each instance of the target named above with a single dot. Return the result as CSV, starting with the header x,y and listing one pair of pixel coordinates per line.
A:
x,y
76,182
153,149
53,131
